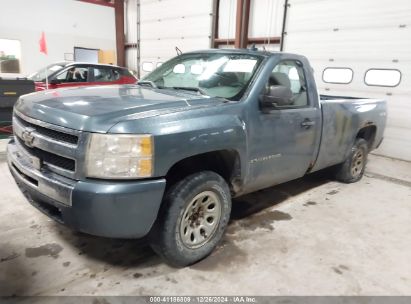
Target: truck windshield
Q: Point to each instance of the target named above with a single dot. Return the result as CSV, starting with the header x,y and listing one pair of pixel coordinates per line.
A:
x,y
213,74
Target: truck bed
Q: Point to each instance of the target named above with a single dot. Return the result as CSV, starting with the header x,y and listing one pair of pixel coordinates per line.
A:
x,y
331,97
342,116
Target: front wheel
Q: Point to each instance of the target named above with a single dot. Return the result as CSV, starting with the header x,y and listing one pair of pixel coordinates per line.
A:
x,y
192,219
352,169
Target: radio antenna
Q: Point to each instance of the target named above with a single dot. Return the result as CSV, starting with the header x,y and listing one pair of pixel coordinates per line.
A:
x,y
179,52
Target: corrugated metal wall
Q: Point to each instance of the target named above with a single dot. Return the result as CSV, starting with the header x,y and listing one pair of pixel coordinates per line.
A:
x,y
360,35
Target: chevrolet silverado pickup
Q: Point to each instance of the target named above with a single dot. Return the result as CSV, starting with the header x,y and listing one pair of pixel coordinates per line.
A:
x,y
164,158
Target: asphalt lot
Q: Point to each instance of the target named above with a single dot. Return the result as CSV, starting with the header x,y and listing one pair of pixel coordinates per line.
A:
x,y
311,236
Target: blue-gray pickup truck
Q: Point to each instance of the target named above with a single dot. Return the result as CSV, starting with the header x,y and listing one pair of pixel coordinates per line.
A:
x,y
165,157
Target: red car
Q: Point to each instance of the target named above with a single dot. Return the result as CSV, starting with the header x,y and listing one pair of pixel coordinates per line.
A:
x,y
74,74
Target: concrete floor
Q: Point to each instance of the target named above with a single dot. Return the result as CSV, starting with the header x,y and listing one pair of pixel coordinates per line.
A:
x,y
307,237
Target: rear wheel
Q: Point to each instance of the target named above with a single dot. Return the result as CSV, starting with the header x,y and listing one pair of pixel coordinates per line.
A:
x,y
352,169
193,219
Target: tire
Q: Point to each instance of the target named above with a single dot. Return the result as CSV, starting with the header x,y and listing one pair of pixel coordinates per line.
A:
x,y
352,169
190,225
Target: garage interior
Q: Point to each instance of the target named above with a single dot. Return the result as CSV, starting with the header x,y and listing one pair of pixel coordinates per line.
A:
x,y
311,236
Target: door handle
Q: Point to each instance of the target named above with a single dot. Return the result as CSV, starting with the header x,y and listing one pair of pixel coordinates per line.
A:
x,y
307,123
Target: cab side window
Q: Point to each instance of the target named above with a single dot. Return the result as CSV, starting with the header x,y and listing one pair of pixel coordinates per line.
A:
x,y
290,74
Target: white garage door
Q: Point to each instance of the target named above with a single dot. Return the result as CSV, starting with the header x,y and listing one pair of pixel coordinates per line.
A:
x,y
360,35
164,25
167,24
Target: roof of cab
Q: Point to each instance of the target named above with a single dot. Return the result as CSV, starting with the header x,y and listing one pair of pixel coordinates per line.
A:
x,y
257,52
238,51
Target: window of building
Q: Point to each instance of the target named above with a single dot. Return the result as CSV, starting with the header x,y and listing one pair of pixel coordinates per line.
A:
x,y
10,56
382,77
147,66
338,75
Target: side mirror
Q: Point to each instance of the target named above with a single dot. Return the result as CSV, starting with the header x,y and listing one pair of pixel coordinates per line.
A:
x,y
276,96
54,81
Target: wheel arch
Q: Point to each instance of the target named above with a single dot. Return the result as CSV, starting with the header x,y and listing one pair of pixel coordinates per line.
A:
x,y
368,133
226,163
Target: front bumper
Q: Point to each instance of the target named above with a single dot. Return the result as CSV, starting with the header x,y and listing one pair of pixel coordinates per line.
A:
x,y
117,209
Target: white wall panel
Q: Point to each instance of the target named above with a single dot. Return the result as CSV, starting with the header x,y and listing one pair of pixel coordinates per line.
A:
x,y
360,35
66,24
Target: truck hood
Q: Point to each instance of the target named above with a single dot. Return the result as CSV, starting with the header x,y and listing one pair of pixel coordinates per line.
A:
x,y
98,108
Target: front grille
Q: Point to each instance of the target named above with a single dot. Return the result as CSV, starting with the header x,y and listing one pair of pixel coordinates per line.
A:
x,y
56,135
50,158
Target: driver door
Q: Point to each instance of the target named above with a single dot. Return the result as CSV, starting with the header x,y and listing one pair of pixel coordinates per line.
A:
x,y
285,143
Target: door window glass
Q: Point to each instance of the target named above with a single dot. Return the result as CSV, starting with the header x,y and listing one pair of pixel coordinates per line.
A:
x,y
74,74
290,74
102,74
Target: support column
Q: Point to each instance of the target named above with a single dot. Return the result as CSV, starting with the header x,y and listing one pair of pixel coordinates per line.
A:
x,y
120,39
241,25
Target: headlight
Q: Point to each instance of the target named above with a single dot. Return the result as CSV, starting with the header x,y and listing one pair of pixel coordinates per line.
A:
x,y
119,156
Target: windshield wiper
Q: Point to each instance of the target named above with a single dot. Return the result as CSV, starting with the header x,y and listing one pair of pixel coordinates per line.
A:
x,y
149,82
195,89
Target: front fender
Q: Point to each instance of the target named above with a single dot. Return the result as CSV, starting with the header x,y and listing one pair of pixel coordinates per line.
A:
x,y
182,139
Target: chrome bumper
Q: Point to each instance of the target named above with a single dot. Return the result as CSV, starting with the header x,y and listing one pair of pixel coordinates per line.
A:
x,y
23,167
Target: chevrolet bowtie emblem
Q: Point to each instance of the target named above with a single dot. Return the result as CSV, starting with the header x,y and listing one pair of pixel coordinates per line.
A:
x,y
27,136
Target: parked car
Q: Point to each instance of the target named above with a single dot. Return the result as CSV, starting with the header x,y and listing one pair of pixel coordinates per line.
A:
x,y
165,157
74,74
